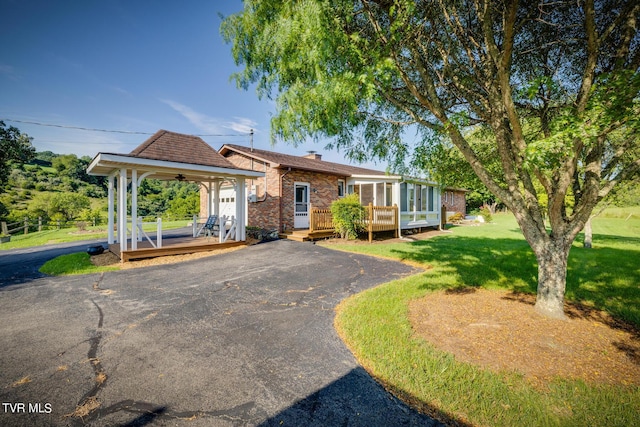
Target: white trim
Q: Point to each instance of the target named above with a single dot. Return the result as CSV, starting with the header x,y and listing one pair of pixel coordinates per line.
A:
x,y
303,223
134,209
378,177
241,202
143,176
105,160
110,207
122,209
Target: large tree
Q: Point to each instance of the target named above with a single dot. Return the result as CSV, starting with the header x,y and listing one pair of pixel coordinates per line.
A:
x,y
549,81
14,147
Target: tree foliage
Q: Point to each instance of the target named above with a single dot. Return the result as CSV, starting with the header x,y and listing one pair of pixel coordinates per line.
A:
x,y
549,82
445,164
67,205
14,147
35,189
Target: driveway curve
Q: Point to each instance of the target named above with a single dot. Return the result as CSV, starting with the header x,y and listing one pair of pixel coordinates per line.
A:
x,y
241,338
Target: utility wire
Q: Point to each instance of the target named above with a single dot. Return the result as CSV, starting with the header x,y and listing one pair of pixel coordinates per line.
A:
x,y
111,130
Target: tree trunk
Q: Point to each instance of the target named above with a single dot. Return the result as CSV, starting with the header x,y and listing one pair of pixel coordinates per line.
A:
x,y
552,279
588,234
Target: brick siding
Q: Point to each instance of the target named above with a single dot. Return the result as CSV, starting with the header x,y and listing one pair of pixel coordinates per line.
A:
x,y
454,201
273,210
323,190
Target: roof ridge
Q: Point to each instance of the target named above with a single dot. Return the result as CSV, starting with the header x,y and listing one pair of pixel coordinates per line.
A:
x,y
301,161
174,146
140,148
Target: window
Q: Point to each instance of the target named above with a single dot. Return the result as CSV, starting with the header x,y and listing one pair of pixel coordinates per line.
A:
x,y
432,204
341,188
403,197
379,194
388,193
366,194
412,197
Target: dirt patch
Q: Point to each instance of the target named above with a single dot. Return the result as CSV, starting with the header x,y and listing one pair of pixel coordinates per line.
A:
x,y
85,409
105,259
501,331
111,259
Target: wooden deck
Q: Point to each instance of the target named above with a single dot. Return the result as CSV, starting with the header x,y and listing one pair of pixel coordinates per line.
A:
x,y
307,235
173,246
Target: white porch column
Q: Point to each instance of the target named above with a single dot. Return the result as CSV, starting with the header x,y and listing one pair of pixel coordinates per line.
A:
x,y
241,205
396,199
209,198
122,209
217,184
134,209
111,201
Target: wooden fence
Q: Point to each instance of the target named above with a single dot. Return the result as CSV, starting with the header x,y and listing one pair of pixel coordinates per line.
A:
x,y
377,218
15,227
30,225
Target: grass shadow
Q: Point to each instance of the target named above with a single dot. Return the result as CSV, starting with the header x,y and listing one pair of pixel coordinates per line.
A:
x,y
605,277
475,262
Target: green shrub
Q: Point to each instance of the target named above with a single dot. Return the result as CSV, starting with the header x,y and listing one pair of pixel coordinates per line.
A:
x,y
347,215
456,218
486,214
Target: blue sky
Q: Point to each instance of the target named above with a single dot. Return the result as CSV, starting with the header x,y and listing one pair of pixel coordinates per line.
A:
x,y
133,66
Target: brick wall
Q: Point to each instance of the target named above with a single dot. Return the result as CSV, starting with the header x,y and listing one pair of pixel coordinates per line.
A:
x,y
265,211
273,210
455,201
323,190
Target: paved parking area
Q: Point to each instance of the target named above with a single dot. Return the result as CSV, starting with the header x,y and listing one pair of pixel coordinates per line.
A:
x,y
242,338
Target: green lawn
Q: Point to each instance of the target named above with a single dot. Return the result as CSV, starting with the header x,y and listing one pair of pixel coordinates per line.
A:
x,y
374,324
77,263
72,235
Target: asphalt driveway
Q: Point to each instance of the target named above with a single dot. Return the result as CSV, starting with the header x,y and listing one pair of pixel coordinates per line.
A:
x,y
242,338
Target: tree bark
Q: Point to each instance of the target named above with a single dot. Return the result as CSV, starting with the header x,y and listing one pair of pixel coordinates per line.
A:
x,y
588,234
552,279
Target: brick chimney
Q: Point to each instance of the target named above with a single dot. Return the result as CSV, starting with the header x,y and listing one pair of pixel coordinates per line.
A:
x,y
313,155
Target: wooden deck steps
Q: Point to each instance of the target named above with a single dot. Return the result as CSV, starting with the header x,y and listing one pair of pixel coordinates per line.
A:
x,y
306,235
177,246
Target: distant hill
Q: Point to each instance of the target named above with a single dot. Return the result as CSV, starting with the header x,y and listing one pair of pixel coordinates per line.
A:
x,y
49,184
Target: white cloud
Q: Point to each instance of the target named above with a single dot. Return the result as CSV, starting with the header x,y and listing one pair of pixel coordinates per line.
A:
x,y
121,91
211,125
242,125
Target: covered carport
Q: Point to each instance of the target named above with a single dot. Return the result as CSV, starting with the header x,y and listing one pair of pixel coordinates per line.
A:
x,y
168,156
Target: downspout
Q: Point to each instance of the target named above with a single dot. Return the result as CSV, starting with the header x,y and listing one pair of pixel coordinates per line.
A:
x,y
280,204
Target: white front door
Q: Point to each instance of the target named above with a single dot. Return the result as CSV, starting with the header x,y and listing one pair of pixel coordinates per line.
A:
x,y
301,207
